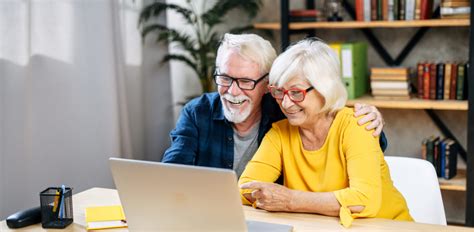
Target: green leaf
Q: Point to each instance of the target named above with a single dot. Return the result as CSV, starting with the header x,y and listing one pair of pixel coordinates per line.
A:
x,y
156,8
215,15
169,35
181,58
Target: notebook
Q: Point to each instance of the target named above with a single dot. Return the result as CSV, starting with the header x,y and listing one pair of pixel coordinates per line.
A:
x,y
105,217
170,197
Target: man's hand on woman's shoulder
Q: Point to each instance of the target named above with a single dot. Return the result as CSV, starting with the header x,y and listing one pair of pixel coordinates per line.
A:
x,y
371,114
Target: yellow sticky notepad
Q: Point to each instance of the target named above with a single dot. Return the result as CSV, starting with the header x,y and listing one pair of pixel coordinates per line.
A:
x,y
105,217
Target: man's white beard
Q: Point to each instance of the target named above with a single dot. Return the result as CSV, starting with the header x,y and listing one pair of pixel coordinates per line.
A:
x,y
236,115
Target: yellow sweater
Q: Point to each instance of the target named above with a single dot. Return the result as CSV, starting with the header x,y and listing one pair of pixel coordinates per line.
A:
x,y
350,164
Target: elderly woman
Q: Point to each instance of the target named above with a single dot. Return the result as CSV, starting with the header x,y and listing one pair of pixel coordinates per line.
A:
x,y
330,165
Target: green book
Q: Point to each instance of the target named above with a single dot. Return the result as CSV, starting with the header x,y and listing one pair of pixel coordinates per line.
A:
x,y
460,82
354,69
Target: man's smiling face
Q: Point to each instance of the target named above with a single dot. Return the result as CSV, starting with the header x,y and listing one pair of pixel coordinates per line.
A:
x,y
241,105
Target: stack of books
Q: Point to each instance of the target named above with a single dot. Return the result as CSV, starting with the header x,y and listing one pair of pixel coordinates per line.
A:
x,y
455,9
390,83
390,10
442,153
442,81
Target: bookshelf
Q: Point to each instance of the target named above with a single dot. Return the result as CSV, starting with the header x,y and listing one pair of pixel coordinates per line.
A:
x,y
458,183
374,24
414,103
464,181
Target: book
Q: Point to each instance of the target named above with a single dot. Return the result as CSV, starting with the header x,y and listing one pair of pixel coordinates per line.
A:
x,y
461,82
456,16
366,10
380,77
419,74
433,81
392,98
455,10
354,68
426,9
440,81
359,9
105,217
389,85
410,10
390,71
451,153
391,92
454,80
447,80
426,81
373,10
455,4
396,4
418,9
401,8
430,149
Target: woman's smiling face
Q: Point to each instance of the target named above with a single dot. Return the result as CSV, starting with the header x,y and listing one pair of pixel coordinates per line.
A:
x,y
303,112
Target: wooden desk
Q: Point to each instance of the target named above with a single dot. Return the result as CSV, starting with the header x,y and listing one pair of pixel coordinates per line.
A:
x,y
300,222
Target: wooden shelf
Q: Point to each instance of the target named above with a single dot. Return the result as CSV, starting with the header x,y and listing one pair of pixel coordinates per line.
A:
x,y
458,183
414,103
374,24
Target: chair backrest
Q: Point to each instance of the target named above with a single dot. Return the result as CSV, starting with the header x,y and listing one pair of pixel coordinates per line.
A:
x,y
417,181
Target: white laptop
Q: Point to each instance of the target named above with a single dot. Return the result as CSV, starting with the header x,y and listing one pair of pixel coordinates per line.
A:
x,y
170,197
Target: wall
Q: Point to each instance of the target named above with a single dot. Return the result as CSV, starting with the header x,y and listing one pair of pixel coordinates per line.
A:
x,y
37,148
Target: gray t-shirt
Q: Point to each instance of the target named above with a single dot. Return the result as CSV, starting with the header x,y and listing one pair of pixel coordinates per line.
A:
x,y
244,148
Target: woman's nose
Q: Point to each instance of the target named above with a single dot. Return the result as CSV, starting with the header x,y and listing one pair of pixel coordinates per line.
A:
x,y
286,102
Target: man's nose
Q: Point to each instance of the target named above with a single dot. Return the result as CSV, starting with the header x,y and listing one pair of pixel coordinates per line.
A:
x,y
234,89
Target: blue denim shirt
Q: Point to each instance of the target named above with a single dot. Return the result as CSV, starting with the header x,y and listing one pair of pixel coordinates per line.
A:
x,y
203,136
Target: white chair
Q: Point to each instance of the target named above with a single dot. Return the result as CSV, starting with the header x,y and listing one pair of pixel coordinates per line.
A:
x,y
417,181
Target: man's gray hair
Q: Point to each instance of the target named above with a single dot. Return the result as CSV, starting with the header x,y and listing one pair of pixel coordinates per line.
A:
x,y
249,46
316,62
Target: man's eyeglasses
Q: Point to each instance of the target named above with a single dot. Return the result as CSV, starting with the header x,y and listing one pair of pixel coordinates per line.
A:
x,y
295,94
243,83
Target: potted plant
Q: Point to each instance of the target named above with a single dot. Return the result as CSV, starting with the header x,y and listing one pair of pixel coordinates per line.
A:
x,y
200,46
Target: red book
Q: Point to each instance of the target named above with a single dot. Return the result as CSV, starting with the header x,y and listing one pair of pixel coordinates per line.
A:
x,y
426,81
454,77
373,10
433,81
304,13
426,9
385,10
359,8
419,74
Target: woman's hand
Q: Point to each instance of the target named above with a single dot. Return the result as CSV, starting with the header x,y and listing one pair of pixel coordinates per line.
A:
x,y
371,114
269,196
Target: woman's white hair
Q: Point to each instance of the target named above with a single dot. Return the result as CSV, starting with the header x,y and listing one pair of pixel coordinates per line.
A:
x,y
249,46
315,61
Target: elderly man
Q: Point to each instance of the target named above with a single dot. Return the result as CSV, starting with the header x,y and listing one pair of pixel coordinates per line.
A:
x,y
224,129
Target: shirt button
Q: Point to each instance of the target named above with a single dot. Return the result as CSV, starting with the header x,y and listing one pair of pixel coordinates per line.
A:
x,y
229,165
229,138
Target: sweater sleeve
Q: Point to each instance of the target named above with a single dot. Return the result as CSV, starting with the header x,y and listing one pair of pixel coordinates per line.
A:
x,y
363,159
266,164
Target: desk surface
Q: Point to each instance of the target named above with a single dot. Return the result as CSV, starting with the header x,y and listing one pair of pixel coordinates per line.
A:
x,y
300,222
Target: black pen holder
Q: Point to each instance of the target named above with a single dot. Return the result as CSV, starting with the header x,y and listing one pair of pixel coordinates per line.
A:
x,y
56,207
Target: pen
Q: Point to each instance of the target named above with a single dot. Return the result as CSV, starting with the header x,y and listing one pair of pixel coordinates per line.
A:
x,y
56,199
61,207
